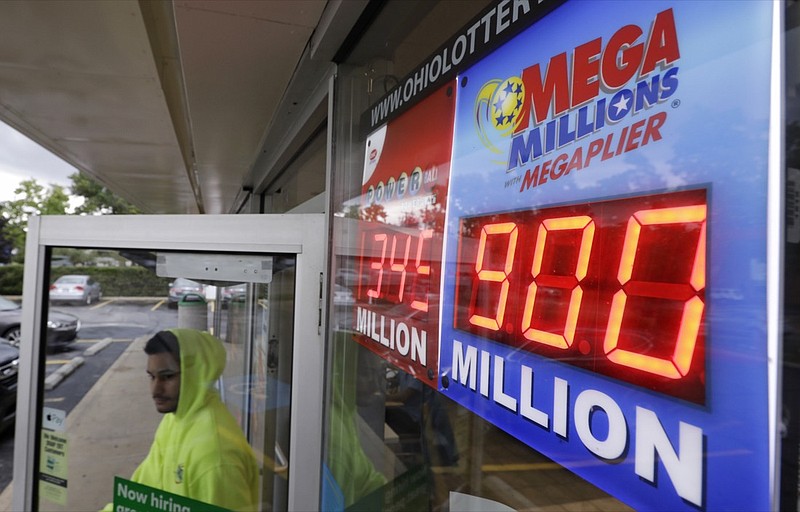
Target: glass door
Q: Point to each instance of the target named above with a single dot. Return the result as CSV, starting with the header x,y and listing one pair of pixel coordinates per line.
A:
x,y
165,373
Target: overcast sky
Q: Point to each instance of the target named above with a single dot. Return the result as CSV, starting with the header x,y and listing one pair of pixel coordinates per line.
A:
x,y
20,159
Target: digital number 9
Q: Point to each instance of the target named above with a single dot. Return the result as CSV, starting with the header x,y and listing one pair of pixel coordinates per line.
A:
x,y
679,363
495,276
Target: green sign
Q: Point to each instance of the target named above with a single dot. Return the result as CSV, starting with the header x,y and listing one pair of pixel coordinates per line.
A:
x,y
132,497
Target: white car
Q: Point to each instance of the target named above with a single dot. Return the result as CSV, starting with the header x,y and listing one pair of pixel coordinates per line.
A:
x,y
75,289
347,277
342,295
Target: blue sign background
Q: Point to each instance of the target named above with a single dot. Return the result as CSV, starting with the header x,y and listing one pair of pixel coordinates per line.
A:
x,y
714,136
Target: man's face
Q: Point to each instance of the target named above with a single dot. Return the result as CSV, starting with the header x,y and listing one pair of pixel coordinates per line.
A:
x,y
165,381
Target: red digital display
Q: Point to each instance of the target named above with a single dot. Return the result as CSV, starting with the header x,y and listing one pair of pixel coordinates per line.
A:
x,y
616,287
397,296
400,235
396,266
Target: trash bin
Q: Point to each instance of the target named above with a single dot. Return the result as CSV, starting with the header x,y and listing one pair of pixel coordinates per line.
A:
x,y
193,312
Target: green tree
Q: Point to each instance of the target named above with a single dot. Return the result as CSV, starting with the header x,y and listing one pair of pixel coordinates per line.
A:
x,y
97,199
374,213
352,212
32,198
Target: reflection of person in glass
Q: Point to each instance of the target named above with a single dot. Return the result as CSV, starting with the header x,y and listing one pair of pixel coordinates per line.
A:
x,y
199,450
422,415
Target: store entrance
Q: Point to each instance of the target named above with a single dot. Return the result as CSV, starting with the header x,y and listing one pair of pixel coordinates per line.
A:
x,y
166,372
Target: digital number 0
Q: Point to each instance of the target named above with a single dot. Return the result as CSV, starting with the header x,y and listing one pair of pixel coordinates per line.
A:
x,y
585,224
680,362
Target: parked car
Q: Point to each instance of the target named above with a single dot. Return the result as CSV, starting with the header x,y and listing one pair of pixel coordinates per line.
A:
x,y
75,289
60,261
347,277
342,296
62,328
180,287
236,293
9,368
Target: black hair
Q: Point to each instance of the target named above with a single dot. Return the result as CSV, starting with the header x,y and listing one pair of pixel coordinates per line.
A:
x,y
163,341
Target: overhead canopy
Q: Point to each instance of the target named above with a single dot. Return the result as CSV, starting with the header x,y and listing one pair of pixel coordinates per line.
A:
x,y
168,104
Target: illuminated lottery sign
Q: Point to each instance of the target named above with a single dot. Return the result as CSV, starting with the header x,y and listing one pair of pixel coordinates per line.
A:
x,y
607,189
401,225
587,284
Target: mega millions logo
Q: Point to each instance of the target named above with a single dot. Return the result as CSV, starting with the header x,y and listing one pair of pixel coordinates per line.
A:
x,y
593,87
498,109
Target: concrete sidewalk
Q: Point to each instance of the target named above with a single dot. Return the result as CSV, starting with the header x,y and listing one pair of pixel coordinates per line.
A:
x,y
108,433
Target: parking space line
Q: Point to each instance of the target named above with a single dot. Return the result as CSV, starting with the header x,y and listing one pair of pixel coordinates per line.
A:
x,y
158,304
115,340
54,399
62,372
102,304
57,361
531,466
503,468
97,347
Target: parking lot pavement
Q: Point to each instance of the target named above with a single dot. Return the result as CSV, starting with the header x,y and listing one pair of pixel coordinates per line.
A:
x,y
153,302
63,368
112,320
119,320
96,451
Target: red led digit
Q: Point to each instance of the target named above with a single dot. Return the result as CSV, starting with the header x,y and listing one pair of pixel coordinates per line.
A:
x,y
361,265
495,276
587,226
680,362
421,270
400,267
615,287
378,265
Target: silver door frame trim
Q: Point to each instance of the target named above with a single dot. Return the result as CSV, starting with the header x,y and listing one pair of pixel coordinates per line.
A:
x,y
299,234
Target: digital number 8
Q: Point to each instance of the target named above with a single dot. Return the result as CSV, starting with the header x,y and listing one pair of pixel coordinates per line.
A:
x,y
565,340
680,362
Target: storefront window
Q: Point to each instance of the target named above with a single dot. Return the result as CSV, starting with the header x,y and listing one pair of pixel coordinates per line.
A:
x,y
166,383
550,262
393,441
790,413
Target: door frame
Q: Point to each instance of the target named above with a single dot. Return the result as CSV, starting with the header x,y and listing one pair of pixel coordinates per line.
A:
x,y
302,235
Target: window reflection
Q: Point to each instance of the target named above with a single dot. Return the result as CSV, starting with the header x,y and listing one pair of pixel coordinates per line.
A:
x,y
100,420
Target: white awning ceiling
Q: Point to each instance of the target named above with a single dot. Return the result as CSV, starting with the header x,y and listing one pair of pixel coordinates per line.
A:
x,y
168,104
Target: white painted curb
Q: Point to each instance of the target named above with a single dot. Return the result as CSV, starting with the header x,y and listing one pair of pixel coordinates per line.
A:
x,y
55,378
97,347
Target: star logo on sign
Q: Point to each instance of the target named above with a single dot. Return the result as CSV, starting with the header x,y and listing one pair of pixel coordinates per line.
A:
x,y
622,104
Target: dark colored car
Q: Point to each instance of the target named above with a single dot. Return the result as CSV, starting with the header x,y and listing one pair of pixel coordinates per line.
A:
x,y
62,328
180,287
9,367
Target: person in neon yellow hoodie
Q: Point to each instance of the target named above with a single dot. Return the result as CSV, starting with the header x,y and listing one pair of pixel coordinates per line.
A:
x,y
199,450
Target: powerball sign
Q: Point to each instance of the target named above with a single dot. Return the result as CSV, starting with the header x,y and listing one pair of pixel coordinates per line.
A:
x,y
604,293
402,215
